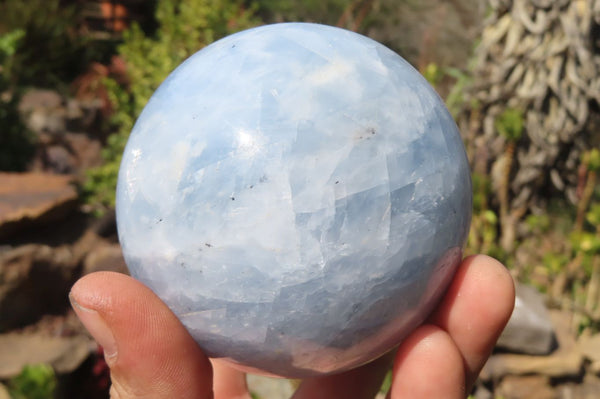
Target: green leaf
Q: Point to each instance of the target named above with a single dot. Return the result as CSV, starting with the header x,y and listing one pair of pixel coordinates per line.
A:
x,y
34,382
586,242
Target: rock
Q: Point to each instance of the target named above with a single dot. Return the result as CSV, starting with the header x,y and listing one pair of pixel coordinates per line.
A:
x,y
269,388
59,160
481,392
30,199
43,111
594,367
64,354
34,280
67,153
565,336
106,225
39,98
55,119
525,387
589,346
4,392
74,110
85,150
588,388
105,258
565,362
559,366
84,115
529,329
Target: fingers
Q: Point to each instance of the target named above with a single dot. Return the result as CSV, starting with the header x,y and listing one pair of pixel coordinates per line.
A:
x,y
462,331
475,310
443,358
359,383
428,365
150,354
228,382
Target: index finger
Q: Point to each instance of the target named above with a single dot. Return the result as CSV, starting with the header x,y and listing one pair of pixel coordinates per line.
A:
x,y
475,310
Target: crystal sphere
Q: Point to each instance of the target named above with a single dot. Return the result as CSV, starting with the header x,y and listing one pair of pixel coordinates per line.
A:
x,y
298,195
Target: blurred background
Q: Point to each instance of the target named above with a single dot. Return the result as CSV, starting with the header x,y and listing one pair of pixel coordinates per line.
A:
x,y
520,77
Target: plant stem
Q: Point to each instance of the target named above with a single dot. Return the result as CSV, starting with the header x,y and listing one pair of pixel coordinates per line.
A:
x,y
505,222
586,196
593,290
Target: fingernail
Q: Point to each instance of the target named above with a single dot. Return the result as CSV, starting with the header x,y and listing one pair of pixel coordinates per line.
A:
x,y
96,326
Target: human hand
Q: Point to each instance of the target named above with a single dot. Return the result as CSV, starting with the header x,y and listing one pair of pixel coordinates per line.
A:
x,y
152,356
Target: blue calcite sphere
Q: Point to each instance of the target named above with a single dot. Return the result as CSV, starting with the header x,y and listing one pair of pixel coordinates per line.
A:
x,y
298,195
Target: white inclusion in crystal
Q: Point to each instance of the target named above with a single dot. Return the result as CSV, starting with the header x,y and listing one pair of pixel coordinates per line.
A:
x,y
211,320
130,174
333,71
375,64
429,191
247,144
338,72
165,173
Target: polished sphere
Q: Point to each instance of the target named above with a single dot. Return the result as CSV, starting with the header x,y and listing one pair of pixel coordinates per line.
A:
x,y
298,195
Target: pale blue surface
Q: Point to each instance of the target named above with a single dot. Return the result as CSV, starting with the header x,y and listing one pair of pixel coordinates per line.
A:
x,y
298,195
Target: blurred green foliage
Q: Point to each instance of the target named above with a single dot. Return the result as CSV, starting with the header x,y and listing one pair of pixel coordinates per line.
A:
x,y
8,46
455,100
34,382
510,123
51,52
16,142
555,262
325,12
593,216
484,225
40,45
183,27
386,385
482,187
433,73
587,243
538,224
591,159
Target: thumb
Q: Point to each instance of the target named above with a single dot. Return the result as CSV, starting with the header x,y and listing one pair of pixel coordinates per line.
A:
x,y
149,352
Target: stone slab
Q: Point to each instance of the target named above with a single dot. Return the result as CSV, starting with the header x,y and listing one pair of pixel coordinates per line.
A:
x,y
64,354
530,328
28,199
